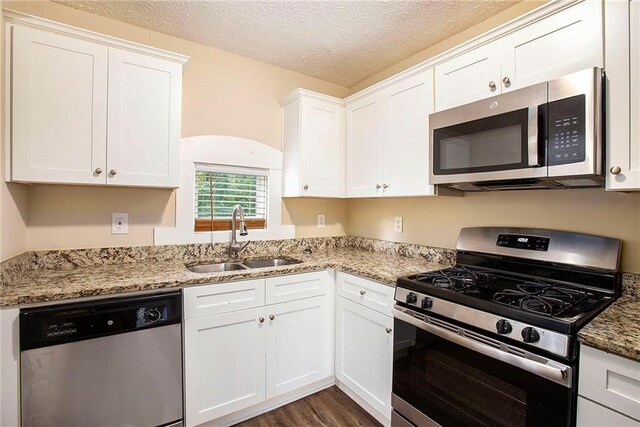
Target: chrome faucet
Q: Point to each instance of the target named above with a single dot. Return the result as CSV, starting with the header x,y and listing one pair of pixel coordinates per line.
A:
x,y
234,246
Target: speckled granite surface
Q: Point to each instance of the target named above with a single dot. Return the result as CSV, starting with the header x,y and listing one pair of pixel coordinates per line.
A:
x,y
56,275
617,329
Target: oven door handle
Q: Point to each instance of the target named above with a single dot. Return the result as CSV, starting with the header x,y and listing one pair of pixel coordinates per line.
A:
x,y
542,367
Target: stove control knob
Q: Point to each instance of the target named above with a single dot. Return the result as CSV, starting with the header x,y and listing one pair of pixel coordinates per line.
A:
x,y
411,298
503,327
426,303
530,335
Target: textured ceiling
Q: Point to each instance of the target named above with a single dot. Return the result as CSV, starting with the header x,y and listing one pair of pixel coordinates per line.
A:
x,y
339,41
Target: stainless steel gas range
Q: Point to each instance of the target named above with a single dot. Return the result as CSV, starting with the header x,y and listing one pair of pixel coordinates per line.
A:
x,y
492,341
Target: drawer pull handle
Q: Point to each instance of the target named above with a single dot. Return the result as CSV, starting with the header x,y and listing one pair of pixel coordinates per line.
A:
x,y
362,292
271,317
261,320
389,330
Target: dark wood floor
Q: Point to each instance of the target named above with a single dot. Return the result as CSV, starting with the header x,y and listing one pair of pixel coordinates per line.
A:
x,y
330,407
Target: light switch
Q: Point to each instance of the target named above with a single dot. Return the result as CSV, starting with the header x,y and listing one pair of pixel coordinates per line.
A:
x,y
119,223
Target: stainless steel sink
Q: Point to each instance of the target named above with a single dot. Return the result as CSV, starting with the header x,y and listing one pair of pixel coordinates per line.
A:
x,y
241,265
217,268
270,262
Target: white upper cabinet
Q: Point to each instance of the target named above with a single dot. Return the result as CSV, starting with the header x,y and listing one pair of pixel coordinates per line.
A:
x,y
568,41
144,120
561,43
469,77
90,109
406,150
313,145
58,108
364,146
388,140
622,35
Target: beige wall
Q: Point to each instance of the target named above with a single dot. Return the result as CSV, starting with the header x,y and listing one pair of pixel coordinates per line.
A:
x,y
436,221
223,94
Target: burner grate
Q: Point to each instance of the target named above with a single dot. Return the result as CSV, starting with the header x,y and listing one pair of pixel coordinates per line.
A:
x,y
543,298
457,279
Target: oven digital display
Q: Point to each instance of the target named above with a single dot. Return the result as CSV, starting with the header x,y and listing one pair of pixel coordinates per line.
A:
x,y
517,241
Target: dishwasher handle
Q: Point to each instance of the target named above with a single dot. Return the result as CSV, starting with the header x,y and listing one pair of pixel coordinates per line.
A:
x,y
61,324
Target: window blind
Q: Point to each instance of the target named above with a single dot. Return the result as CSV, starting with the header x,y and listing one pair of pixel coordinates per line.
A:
x,y
218,189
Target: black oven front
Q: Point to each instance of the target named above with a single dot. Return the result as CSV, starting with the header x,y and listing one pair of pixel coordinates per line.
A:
x,y
449,376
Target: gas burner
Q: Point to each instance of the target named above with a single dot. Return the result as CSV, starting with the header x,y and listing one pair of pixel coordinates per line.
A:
x,y
538,297
456,279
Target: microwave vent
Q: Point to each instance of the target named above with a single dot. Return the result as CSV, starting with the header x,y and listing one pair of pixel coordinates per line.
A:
x,y
578,182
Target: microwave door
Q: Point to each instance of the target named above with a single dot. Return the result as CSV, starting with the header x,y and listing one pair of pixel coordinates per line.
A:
x,y
494,139
575,124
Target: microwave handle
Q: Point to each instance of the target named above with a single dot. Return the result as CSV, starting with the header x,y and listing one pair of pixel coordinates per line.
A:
x,y
536,134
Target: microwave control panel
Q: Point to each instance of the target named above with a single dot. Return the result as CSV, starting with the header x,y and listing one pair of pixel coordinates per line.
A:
x,y
566,120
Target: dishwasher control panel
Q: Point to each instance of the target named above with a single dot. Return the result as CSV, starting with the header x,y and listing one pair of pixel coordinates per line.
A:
x,y
46,326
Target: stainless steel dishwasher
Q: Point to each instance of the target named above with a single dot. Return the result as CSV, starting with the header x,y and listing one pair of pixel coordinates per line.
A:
x,y
115,362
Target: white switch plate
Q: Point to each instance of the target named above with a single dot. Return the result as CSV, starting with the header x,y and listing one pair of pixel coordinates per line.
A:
x,y
320,220
119,223
397,224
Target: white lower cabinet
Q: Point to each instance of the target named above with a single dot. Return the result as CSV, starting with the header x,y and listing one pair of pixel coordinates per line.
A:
x,y
239,359
611,381
364,353
224,364
299,348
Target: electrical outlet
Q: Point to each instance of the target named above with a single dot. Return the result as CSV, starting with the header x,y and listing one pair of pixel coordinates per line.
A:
x,y
397,224
119,223
320,220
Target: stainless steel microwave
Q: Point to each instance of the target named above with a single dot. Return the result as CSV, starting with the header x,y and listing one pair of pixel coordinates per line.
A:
x,y
549,135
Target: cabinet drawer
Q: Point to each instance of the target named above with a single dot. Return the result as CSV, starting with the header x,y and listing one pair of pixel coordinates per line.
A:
x,y
591,414
610,380
298,286
223,298
371,294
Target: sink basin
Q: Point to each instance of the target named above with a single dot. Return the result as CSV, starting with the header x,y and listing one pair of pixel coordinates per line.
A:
x,y
271,262
217,268
241,265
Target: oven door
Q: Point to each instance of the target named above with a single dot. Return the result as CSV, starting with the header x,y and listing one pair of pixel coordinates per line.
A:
x,y
449,376
498,138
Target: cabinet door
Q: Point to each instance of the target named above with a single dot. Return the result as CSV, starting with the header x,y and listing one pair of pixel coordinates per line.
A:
x,y
563,43
59,108
321,149
406,148
469,77
364,353
364,147
622,34
144,120
591,414
299,344
224,364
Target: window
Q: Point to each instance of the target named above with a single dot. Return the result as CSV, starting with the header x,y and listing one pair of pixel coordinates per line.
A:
x,y
219,188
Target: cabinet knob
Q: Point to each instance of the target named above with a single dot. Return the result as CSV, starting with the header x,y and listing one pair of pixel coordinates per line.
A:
x,y
389,330
385,186
306,187
112,172
378,186
615,170
362,292
271,317
261,320
506,81
492,85
98,171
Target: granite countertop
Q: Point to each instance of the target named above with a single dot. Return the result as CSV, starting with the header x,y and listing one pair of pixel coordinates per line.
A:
x,y
48,285
617,329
